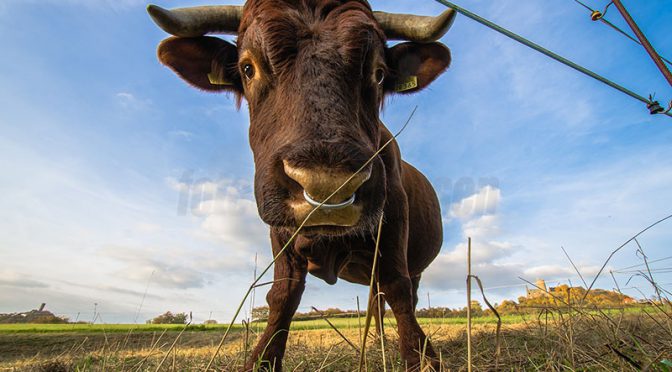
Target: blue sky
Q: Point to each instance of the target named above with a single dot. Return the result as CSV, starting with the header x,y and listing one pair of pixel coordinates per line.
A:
x,y
118,178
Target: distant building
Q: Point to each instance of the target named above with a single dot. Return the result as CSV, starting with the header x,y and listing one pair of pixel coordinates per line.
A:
x,y
539,289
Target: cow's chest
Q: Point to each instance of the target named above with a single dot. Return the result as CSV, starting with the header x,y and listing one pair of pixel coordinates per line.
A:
x,y
357,269
330,260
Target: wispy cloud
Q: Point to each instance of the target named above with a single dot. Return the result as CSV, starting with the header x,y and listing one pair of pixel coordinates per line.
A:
x,y
227,210
484,202
109,4
233,220
183,134
141,263
129,101
18,281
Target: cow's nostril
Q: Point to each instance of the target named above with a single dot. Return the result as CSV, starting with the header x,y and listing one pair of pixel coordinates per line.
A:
x,y
320,183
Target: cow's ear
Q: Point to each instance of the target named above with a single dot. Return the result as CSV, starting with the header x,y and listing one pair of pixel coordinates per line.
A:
x,y
208,63
413,66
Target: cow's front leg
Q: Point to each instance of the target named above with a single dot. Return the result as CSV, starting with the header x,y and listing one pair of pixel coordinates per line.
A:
x,y
413,342
283,300
397,285
378,310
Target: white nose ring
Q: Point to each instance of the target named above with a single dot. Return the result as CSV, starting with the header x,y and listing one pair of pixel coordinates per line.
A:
x,y
326,206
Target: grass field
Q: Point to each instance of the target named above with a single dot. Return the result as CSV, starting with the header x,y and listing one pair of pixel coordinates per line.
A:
x,y
315,324
553,340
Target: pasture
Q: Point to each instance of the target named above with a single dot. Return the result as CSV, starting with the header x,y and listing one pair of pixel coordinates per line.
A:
x,y
302,325
549,340
122,179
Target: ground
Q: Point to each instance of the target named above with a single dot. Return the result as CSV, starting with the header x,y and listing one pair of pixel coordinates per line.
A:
x,y
548,340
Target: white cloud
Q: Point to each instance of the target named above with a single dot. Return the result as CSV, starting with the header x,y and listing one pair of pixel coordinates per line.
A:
x,y
481,227
554,271
205,188
210,188
109,4
148,228
484,202
168,267
114,5
232,218
491,256
183,134
179,186
227,209
129,101
477,215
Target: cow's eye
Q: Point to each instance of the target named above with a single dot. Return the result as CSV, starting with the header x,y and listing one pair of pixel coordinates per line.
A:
x,y
380,76
248,71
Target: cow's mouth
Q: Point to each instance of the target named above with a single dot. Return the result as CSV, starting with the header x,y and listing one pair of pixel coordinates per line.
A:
x,y
323,216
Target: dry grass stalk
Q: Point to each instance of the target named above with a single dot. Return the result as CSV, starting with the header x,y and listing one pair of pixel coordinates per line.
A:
x,y
498,346
174,343
372,299
153,346
469,356
381,331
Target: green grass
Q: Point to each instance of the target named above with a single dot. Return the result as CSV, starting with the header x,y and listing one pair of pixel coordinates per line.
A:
x,y
110,328
314,324
299,325
346,323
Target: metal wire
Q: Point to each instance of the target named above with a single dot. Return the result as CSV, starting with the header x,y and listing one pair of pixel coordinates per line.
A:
x,y
643,264
659,270
602,14
605,21
546,52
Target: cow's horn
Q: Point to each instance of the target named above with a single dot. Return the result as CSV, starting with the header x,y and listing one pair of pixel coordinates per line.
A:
x,y
415,28
198,20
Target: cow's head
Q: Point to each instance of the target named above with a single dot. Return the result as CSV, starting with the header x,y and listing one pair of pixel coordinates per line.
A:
x,y
314,73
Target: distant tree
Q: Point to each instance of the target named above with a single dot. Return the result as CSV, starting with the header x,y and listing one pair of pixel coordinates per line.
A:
x,y
435,312
329,312
170,318
332,312
507,307
476,308
260,313
50,319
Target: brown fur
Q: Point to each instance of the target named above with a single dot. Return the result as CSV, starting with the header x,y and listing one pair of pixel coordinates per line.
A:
x,y
314,102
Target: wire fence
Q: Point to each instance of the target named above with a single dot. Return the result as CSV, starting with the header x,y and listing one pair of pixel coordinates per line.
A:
x,y
597,15
653,106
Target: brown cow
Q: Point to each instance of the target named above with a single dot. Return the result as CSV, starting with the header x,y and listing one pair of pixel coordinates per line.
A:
x,y
315,74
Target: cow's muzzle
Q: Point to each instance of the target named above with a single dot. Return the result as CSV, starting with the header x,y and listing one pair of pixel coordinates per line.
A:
x,y
332,192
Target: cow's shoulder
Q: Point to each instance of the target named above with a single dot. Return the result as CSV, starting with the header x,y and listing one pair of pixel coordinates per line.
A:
x,y
391,155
